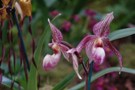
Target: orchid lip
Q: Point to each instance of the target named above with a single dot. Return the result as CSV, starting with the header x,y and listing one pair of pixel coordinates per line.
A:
x,y
50,61
98,55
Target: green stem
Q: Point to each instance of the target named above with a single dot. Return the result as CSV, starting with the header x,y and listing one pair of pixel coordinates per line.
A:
x,y
90,75
20,37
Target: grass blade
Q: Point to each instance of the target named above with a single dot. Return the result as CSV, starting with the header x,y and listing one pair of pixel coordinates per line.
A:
x,y
103,72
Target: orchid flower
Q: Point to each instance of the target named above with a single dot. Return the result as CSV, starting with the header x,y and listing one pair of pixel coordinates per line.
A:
x,y
23,8
95,44
26,7
3,12
50,61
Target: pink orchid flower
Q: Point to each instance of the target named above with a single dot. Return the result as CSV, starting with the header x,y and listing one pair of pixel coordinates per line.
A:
x,y
58,47
95,44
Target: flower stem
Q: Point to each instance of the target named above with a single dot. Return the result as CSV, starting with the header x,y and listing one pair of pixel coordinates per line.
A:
x,y
90,75
84,67
20,37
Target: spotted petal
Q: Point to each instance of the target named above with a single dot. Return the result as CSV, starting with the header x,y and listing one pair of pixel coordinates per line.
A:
x,y
102,28
75,65
56,34
64,50
69,55
115,51
84,41
88,50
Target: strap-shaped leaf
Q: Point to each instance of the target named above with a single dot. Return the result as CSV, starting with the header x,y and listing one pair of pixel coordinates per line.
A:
x,y
32,85
8,82
103,72
121,33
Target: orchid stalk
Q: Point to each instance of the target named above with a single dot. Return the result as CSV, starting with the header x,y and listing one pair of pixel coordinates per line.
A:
x,y
90,75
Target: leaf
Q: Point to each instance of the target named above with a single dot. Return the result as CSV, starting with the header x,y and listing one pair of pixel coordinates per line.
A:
x,y
103,72
8,82
32,82
64,82
121,33
33,72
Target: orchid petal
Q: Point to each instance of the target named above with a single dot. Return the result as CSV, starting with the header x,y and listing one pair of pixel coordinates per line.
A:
x,y
3,16
19,10
50,61
73,50
115,51
56,34
98,55
88,50
94,52
102,28
75,65
50,44
108,50
26,7
5,2
84,41
64,50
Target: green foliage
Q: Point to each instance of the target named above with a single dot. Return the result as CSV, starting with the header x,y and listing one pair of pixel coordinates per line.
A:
x,y
123,12
32,85
121,33
103,72
8,82
66,81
